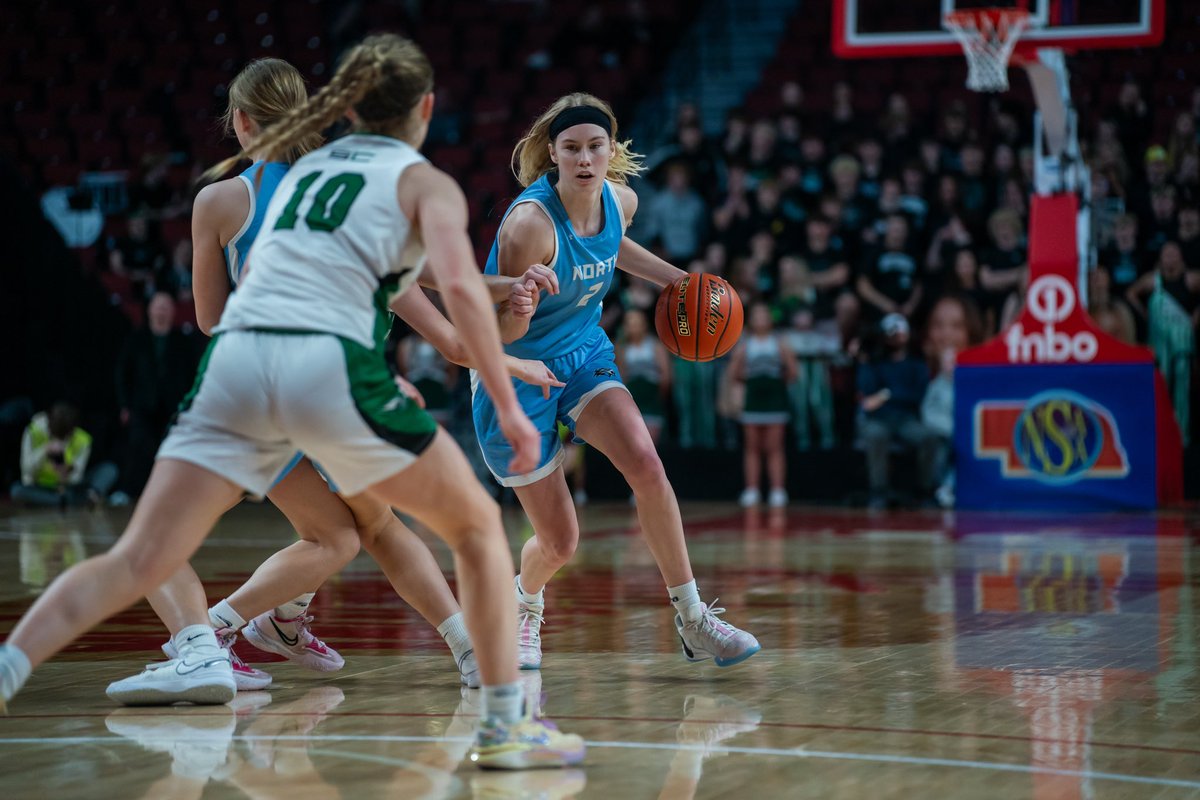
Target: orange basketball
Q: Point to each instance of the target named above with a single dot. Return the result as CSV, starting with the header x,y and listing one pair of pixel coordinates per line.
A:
x,y
699,317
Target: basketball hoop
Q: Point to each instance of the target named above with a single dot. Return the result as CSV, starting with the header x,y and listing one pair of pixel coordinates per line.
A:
x,y
987,36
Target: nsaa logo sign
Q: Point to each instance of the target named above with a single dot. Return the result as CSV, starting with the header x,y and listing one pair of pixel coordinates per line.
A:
x,y
1054,437
1051,299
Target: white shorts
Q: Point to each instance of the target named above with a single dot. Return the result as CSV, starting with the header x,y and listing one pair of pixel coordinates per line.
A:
x,y
260,396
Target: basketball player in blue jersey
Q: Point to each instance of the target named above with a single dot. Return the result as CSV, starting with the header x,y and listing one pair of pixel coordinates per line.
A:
x,y
226,220
572,218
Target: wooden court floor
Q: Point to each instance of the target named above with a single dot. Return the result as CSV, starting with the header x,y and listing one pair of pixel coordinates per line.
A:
x,y
904,655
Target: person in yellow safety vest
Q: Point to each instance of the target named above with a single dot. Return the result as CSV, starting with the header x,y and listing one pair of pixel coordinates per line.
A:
x,y
54,462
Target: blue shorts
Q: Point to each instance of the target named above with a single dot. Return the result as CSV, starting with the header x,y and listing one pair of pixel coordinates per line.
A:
x,y
587,371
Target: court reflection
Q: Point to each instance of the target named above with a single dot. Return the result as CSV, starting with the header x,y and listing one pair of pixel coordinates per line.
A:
x,y
545,784
199,746
51,543
708,722
1069,625
913,654
257,747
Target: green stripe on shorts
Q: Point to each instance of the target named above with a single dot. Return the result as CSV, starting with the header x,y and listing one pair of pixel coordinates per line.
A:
x,y
387,411
188,398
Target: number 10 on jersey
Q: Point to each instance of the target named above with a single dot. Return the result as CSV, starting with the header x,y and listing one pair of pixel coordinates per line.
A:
x,y
329,206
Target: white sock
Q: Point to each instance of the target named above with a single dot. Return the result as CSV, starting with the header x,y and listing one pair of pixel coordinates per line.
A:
x,y
14,670
686,599
530,599
454,630
222,615
295,608
503,703
195,636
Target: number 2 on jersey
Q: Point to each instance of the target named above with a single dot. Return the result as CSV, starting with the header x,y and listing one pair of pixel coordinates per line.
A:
x,y
591,292
329,206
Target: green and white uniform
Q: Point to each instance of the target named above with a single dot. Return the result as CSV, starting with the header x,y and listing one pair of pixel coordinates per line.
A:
x,y
766,392
427,372
643,378
298,362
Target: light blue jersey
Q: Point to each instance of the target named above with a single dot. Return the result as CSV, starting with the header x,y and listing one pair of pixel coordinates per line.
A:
x,y
585,267
239,246
260,197
564,333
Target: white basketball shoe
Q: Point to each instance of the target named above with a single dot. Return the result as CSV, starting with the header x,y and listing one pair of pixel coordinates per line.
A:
x,y
248,678
198,674
293,640
468,671
708,636
529,634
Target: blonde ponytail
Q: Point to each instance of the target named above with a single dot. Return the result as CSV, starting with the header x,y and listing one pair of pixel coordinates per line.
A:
x,y
382,78
266,90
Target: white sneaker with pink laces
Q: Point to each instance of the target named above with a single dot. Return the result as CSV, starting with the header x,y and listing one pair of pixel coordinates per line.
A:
x,y
292,639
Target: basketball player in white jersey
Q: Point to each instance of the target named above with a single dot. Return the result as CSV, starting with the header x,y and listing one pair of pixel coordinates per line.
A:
x,y
227,218
296,366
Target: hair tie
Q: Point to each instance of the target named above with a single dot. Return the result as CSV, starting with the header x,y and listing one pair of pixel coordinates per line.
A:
x,y
579,115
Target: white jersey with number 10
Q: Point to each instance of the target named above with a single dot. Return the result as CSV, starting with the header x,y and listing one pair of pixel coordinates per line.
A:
x,y
334,246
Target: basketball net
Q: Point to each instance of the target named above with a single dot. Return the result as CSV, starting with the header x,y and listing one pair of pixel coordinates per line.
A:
x,y
987,36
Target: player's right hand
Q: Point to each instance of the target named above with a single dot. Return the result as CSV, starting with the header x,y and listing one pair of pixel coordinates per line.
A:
x,y
522,299
524,440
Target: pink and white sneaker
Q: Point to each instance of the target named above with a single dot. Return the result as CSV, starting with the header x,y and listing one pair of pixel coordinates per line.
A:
x,y
247,678
292,639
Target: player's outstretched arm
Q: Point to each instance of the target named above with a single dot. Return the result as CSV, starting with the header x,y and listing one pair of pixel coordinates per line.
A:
x,y
429,323
635,259
500,287
434,202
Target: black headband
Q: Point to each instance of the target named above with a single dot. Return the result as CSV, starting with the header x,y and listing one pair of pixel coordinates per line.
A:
x,y
579,115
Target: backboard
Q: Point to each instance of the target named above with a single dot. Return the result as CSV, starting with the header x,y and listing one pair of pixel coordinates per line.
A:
x,y
886,28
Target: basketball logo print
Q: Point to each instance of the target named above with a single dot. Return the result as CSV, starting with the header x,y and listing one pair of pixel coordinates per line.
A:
x,y
698,317
681,316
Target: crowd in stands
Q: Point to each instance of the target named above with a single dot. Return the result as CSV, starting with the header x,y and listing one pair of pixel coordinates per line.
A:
x,y
856,230
878,244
